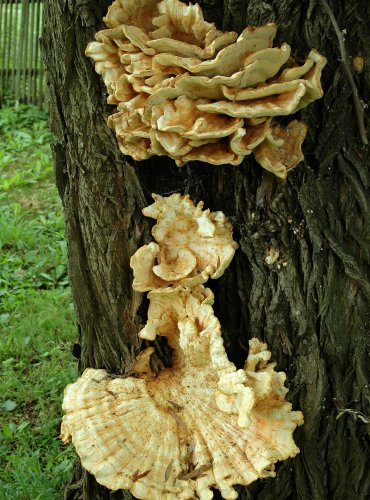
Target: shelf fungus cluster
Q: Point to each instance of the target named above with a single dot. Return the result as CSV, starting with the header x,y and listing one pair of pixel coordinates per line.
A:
x,y
202,423
184,89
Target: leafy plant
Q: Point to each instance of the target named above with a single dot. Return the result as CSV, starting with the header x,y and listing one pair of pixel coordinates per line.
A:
x,y
37,320
25,147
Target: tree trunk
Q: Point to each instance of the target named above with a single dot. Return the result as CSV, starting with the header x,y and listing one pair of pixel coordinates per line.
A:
x,y
310,306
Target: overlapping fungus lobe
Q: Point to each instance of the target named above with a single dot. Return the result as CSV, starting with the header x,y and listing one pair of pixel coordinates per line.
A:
x,y
200,88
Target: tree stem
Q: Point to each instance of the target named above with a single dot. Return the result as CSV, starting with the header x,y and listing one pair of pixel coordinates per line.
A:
x,y
359,107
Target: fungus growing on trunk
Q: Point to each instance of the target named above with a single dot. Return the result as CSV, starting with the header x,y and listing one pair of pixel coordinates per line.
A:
x,y
199,425
202,423
189,91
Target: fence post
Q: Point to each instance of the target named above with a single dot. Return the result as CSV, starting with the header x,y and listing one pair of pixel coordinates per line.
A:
x,y
26,33
1,64
20,55
10,26
4,8
32,71
38,63
13,37
21,70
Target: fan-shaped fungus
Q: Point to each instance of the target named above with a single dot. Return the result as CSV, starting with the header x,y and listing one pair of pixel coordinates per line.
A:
x,y
199,425
189,91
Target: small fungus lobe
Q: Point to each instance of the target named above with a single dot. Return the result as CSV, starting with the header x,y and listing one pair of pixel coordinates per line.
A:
x,y
191,245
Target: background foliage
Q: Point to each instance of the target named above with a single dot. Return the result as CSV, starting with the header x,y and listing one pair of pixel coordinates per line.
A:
x,y
37,320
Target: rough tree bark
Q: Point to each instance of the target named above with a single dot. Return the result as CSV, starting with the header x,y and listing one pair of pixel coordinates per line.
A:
x,y
310,306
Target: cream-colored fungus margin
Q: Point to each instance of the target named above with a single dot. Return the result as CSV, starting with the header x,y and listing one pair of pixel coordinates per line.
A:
x,y
189,91
200,424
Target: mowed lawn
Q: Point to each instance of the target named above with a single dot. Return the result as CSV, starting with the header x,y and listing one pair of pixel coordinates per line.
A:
x,y
37,319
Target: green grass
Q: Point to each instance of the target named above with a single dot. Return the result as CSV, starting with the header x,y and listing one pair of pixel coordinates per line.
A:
x,y
37,320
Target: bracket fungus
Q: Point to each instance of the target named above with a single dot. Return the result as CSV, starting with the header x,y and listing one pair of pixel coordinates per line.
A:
x,y
192,245
189,91
202,423
198,425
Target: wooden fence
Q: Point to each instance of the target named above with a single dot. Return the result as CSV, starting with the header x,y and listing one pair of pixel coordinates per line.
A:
x,y
21,70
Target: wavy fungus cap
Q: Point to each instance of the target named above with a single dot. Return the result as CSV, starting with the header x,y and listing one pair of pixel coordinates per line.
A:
x,y
199,425
220,83
281,149
191,245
